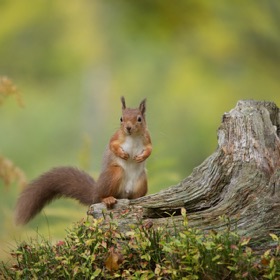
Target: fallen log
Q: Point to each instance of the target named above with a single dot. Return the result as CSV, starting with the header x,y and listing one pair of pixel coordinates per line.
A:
x,y
240,180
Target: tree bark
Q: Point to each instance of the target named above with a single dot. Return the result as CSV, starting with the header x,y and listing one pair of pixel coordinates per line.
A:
x,y
240,180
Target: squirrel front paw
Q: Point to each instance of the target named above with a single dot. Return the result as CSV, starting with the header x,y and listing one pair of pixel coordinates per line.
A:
x,y
109,201
139,158
123,155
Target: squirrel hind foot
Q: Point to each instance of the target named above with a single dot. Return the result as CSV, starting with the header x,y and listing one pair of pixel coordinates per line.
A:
x,y
109,201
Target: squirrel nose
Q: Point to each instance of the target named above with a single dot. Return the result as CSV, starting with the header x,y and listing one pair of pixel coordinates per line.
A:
x,y
128,128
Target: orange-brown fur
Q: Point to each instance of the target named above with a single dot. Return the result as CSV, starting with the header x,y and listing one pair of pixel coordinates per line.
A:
x,y
123,172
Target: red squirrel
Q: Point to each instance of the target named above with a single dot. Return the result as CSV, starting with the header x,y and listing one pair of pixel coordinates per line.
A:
x,y
123,173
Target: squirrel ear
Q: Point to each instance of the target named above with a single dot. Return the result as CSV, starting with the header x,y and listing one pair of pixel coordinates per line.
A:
x,y
142,106
123,103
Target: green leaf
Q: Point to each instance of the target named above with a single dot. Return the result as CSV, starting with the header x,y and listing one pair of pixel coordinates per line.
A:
x,y
245,241
96,273
232,268
216,258
274,237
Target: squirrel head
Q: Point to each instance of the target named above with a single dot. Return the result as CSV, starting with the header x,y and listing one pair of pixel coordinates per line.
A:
x,y
133,120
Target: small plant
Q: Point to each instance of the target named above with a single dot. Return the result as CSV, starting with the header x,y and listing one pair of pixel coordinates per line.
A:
x,y
94,251
8,171
7,88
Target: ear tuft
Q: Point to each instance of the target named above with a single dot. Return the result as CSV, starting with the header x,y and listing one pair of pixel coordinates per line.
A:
x,y
142,107
123,103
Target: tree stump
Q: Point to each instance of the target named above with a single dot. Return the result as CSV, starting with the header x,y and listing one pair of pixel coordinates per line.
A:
x,y
240,180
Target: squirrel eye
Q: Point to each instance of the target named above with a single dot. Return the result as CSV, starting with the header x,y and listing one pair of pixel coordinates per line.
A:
x,y
121,119
139,119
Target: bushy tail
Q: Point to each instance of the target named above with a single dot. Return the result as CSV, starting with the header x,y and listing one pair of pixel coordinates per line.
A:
x,y
61,181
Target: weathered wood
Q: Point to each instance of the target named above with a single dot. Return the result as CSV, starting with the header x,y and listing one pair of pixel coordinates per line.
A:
x,y
241,180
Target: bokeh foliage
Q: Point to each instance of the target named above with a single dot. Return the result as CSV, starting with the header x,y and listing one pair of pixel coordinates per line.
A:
x,y
73,60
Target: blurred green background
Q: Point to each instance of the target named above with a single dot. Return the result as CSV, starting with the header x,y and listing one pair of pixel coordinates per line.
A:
x,y
72,60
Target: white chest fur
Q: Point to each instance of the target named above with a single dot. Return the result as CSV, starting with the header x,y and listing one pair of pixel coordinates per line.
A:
x,y
133,145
